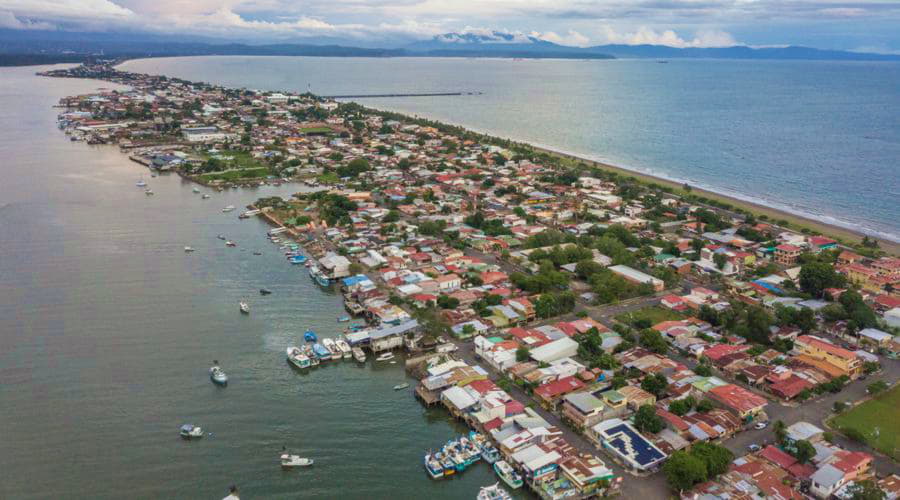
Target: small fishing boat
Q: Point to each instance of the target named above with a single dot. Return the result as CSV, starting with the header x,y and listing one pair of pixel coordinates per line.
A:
x,y
387,356
321,352
331,345
346,352
494,492
402,386
205,197
153,175
217,374
221,237
359,354
191,431
490,453
188,249
343,319
433,466
508,474
229,208
310,336
297,357
245,308
196,190
148,192
290,461
257,253
265,291
297,259
141,183
230,243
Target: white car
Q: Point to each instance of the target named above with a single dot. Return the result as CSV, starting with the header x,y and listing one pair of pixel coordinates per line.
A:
x,y
760,425
754,447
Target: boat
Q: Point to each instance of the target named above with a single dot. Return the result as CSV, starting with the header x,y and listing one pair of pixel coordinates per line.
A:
x,y
245,308
402,386
265,291
217,374
229,208
343,319
359,354
257,253
508,474
149,192
230,243
191,431
494,492
317,274
310,336
205,197
344,347
289,461
196,190
447,463
141,183
321,352
331,345
385,356
297,358
188,249
153,175
297,259
433,466
221,237
490,453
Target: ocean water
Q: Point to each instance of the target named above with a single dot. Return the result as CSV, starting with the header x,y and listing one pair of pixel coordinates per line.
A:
x,y
108,328
816,138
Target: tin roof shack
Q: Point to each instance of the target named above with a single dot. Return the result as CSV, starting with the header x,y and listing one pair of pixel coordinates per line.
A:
x,y
335,266
390,337
738,400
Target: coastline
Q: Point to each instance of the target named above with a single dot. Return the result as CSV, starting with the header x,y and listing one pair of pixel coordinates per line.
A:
x,y
843,234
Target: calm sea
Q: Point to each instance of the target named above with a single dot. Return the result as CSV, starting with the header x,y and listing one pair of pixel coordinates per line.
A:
x,y
108,328
820,139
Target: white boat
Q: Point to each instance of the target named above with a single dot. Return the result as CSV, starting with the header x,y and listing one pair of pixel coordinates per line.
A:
x,y
191,431
196,190
141,183
288,461
205,197
345,348
508,474
217,374
230,243
149,192
359,354
229,208
245,308
332,347
494,492
398,387
297,358
387,356
188,249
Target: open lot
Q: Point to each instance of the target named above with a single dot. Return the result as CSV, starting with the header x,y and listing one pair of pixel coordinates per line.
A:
x,y
651,315
878,420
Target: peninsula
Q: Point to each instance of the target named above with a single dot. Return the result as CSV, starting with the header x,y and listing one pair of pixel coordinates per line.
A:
x,y
589,326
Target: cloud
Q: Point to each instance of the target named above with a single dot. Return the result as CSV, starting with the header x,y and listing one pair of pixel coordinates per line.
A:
x,y
66,10
649,36
10,21
571,38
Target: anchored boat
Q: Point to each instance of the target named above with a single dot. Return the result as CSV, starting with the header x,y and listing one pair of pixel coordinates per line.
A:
x,y
245,308
217,374
433,466
494,492
297,358
385,356
191,431
359,354
508,474
289,461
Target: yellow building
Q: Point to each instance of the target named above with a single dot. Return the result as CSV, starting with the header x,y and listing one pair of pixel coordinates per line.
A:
x,y
846,362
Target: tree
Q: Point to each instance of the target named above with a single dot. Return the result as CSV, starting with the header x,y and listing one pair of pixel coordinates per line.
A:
x,y
703,370
804,451
652,339
866,490
717,458
780,431
682,406
447,302
655,384
646,420
522,354
816,276
876,387
684,470
705,406
720,260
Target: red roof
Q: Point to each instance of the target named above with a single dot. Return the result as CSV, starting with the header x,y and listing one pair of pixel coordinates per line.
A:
x,y
720,350
850,461
674,420
483,386
777,457
826,346
559,387
514,408
737,398
801,471
492,424
790,387
788,248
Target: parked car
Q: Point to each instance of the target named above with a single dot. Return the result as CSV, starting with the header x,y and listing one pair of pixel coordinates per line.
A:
x,y
754,447
760,425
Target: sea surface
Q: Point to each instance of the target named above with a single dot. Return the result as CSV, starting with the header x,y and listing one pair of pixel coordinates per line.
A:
x,y
108,328
815,138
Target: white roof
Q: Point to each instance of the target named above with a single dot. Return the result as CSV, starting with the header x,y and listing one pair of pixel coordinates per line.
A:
x,y
557,349
876,334
458,397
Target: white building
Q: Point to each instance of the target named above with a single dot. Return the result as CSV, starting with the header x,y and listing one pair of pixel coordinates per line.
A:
x,y
203,134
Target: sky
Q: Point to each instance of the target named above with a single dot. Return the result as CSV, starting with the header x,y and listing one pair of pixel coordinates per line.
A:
x,y
861,25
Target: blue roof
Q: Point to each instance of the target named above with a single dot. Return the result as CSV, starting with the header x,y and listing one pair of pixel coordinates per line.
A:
x,y
644,452
352,280
769,286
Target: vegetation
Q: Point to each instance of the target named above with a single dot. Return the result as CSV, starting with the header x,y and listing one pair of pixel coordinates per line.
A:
x,y
646,420
874,422
704,461
648,316
553,304
655,384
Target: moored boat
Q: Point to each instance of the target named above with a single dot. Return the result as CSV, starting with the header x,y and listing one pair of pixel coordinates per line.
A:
x,y
359,354
433,466
141,183
205,197
188,249
149,192
387,356
494,492
398,387
229,208
507,474
196,190
332,347
310,336
321,352
297,357
343,319
346,352
230,243
245,308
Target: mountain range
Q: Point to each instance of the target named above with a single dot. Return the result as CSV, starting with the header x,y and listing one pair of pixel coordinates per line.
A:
x,y
40,47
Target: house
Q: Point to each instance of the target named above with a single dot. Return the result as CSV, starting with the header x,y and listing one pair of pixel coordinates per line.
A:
x,y
203,134
558,349
635,276
583,409
549,394
787,254
635,397
738,400
449,282
846,362
624,441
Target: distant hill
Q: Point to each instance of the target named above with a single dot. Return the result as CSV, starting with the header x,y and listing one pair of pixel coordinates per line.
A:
x,y
40,47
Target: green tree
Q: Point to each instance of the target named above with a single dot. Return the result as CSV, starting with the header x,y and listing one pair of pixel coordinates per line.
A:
x,y
646,420
866,489
876,387
684,470
653,340
522,354
780,431
682,406
717,458
705,406
655,384
804,451
816,276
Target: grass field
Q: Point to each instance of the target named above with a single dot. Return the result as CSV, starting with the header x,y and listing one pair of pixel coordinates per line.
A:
x,y
236,174
238,165
877,420
653,315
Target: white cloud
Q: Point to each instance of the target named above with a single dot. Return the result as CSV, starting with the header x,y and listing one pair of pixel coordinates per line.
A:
x,y
66,10
649,36
10,21
571,38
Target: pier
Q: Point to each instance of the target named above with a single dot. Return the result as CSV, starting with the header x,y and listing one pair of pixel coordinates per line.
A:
x,y
422,94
